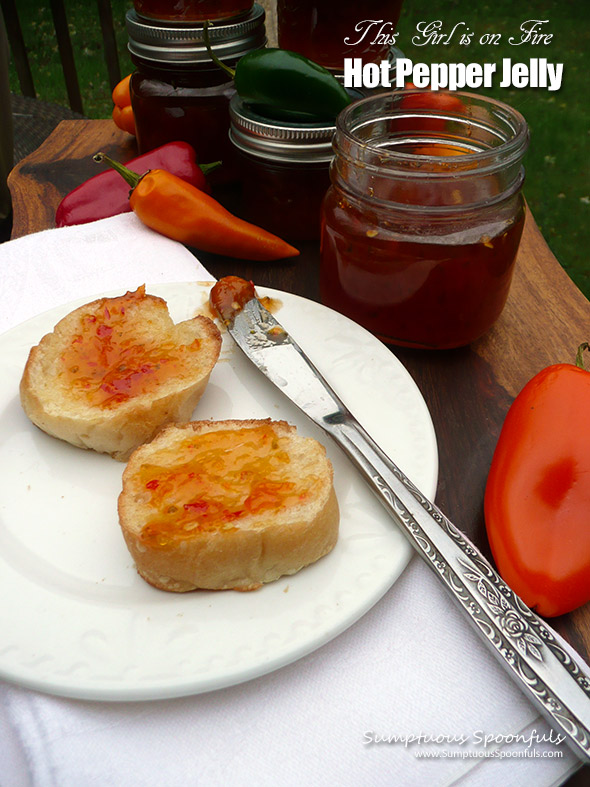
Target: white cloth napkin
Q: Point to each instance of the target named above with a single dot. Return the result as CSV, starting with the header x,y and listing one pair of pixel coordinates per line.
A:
x,y
55,267
351,713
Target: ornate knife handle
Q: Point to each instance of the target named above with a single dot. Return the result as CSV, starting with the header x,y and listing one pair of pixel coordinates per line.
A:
x,y
558,685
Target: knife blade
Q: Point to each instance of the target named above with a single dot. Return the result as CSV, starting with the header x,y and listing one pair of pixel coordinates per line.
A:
x,y
551,676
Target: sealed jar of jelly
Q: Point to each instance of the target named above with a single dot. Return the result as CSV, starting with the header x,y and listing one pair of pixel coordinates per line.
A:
x,y
177,91
191,10
422,223
283,171
327,31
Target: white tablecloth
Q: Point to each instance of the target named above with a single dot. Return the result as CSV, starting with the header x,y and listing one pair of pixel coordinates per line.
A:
x,y
406,696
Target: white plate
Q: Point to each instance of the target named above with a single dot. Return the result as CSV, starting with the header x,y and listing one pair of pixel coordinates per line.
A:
x,y
77,620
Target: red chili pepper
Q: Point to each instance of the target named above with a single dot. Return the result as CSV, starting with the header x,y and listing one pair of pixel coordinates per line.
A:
x,y
537,498
122,111
107,194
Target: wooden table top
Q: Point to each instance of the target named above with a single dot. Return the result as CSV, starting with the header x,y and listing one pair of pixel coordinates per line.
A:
x,y
468,391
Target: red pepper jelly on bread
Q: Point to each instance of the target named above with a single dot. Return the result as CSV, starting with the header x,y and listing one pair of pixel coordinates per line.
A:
x,y
111,358
210,481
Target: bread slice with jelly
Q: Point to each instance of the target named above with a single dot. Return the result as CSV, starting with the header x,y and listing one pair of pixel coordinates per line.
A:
x,y
113,372
227,505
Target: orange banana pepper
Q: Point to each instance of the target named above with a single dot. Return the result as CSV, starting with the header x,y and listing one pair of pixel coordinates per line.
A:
x,y
175,208
122,111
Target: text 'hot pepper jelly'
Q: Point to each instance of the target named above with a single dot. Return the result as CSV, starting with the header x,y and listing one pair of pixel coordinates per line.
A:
x,y
177,92
422,222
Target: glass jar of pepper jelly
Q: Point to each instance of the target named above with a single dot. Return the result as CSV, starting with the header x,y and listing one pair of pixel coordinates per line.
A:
x,y
178,92
422,223
327,31
191,10
283,169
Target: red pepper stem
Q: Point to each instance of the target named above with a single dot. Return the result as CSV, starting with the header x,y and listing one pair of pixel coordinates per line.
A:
x,y
207,168
580,353
132,178
211,53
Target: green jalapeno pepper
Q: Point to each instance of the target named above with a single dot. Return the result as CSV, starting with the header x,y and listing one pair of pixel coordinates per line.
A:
x,y
285,85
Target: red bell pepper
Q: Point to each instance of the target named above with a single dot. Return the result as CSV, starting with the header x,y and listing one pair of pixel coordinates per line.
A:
x,y
107,194
537,498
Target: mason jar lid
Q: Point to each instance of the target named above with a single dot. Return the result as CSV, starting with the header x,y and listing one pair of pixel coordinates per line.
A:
x,y
279,140
173,43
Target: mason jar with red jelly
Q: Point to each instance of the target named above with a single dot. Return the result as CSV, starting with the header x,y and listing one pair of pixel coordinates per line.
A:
x,y
284,171
327,31
178,92
191,10
422,223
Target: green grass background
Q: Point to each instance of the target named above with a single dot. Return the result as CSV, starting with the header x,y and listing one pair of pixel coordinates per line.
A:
x,y
558,160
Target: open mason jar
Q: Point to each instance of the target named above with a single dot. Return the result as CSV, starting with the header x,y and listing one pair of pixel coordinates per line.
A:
x,y
422,222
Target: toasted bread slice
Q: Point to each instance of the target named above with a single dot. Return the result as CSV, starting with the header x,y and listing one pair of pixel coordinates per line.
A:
x,y
227,505
114,371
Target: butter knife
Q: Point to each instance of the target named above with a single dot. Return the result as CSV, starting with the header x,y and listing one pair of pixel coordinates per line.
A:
x,y
549,675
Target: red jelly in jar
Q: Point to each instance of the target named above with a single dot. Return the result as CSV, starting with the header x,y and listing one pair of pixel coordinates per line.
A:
x,y
422,223
327,31
191,10
177,91
284,171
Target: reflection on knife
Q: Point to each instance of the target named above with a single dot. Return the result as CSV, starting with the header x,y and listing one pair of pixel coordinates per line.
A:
x,y
557,683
